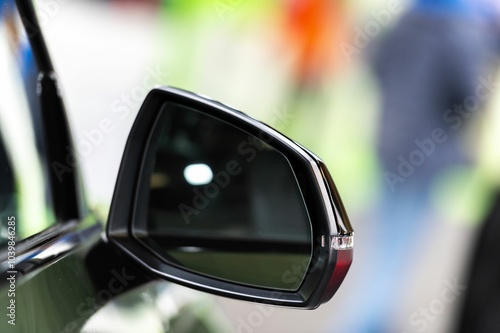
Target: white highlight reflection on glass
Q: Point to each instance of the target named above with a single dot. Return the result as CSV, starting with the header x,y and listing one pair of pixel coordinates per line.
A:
x,y
198,174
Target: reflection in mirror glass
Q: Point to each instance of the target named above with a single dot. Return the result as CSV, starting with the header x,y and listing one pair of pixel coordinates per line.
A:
x,y
226,204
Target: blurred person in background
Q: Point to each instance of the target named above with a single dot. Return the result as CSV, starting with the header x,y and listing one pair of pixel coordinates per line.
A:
x,y
434,72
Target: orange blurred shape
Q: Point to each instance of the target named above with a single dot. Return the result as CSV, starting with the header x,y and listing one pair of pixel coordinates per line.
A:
x,y
314,29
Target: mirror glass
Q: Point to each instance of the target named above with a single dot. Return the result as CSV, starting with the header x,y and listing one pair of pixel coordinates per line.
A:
x,y
224,203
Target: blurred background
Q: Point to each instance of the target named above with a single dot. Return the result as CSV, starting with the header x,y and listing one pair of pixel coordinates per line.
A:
x,y
398,97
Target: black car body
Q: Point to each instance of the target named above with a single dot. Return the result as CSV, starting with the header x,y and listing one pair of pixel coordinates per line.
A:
x,y
59,266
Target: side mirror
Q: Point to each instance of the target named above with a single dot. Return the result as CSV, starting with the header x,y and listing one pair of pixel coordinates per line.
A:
x,y
213,199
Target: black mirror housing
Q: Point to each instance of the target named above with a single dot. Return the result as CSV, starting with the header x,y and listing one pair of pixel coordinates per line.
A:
x,y
330,248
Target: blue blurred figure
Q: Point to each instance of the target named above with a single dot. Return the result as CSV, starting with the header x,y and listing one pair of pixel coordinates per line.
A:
x,y
434,72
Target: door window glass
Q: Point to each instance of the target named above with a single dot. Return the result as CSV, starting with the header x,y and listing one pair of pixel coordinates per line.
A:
x,y
24,191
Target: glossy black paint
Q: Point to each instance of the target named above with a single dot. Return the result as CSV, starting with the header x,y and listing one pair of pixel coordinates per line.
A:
x,y
66,192
65,273
66,281
328,266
